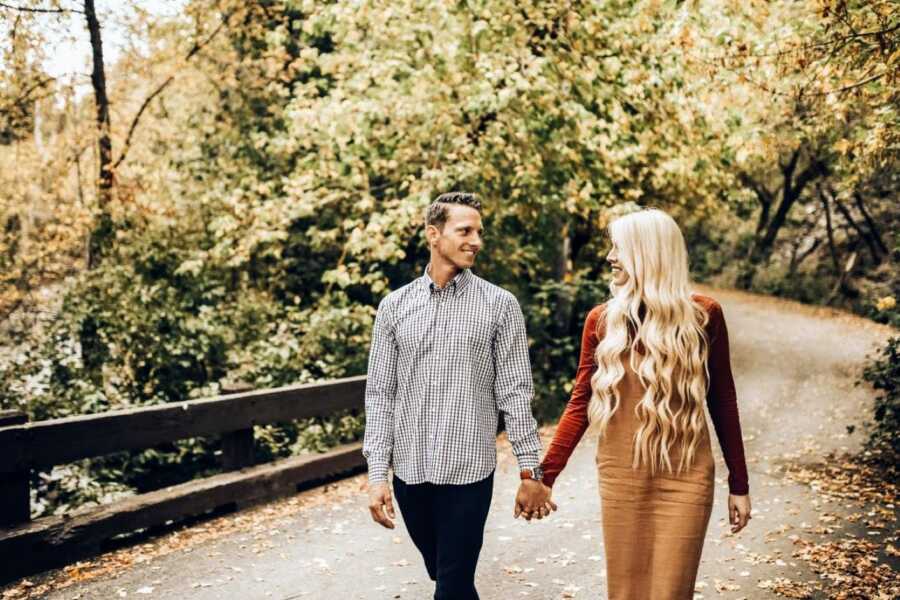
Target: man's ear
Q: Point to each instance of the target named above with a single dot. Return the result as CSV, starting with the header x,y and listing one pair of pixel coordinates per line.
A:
x,y
431,234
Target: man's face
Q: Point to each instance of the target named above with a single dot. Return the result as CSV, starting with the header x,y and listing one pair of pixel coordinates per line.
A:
x,y
460,240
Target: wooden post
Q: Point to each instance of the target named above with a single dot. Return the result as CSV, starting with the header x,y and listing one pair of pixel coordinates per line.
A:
x,y
237,446
15,495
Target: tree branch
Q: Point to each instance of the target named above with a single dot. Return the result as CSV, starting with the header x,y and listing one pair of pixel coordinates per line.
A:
x,y
815,169
842,280
808,251
25,96
829,230
870,222
873,250
137,117
841,40
798,257
787,169
198,45
763,195
41,10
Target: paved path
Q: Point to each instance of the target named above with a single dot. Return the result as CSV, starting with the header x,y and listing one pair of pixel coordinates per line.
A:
x,y
795,369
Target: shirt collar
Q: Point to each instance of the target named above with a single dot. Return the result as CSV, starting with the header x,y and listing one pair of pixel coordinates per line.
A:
x,y
457,284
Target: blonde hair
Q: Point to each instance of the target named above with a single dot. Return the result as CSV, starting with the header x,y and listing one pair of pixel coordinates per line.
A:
x,y
653,316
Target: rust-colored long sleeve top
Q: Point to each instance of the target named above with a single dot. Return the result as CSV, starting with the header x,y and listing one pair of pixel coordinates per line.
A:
x,y
721,398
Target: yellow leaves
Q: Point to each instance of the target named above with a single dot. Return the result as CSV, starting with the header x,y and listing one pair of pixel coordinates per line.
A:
x,y
843,146
190,267
685,39
479,26
309,53
886,303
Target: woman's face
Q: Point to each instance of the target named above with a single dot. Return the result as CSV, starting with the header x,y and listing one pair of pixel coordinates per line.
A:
x,y
618,273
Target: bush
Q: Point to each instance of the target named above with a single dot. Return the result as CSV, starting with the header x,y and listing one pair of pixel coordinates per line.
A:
x,y
883,373
136,332
555,316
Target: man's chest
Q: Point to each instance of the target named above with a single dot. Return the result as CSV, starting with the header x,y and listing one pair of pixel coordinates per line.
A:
x,y
451,327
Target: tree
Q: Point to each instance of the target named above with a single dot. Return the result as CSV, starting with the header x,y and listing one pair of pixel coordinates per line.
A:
x,y
826,74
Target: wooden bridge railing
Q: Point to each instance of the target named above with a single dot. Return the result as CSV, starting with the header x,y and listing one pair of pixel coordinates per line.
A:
x,y
30,546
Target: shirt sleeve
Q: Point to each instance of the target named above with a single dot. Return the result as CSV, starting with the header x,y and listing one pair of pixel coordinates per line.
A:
x,y
381,391
722,402
514,387
574,421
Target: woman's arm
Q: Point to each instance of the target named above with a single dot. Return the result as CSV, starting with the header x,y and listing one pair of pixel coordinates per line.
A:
x,y
722,402
574,421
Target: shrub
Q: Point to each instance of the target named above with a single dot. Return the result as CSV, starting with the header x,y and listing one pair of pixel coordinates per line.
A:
x,y
883,373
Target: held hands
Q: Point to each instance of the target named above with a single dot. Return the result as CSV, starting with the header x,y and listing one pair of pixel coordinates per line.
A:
x,y
380,504
738,511
533,500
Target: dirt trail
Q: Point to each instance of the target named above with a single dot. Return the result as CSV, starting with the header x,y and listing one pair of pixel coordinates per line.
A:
x,y
795,369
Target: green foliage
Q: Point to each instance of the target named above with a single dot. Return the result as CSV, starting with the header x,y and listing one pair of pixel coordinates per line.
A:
x,y
883,373
144,330
554,318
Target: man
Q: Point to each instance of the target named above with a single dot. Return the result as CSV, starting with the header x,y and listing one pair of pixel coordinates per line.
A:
x,y
449,352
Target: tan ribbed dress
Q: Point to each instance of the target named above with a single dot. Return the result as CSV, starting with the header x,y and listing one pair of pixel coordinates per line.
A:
x,y
653,526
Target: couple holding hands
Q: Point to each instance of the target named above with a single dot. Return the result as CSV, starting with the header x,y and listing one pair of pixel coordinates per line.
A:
x,y
450,352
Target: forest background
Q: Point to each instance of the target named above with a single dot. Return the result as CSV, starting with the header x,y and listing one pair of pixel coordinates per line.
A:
x,y
227,201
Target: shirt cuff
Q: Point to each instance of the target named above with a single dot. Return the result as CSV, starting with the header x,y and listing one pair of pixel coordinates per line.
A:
x,y
378,469
528,460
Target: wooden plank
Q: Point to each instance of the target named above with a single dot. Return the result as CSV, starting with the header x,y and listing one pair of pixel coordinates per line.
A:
x,y
12,417
15,494
59,441
237,446
237,449
54,541
15,498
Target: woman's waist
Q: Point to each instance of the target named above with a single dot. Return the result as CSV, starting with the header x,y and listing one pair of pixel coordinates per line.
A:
x,y
615,449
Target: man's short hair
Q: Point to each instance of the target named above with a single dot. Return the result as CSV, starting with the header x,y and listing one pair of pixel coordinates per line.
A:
x,y
437,211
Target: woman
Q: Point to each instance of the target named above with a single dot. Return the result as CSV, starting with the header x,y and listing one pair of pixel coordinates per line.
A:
x,y
651,357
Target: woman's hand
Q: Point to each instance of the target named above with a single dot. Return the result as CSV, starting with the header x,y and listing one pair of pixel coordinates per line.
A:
x,y
738,511
533,500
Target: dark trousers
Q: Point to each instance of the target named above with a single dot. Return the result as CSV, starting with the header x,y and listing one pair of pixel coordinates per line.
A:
x,y
446,523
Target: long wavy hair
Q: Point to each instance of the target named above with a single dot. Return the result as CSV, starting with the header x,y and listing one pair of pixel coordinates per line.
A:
x,y
653,319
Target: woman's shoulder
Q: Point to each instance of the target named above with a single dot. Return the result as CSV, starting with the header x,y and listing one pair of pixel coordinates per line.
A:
x,y
597,312
709,304
715,316
593,322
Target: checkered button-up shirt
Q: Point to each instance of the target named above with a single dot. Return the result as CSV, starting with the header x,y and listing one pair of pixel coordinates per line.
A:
x,y
444,362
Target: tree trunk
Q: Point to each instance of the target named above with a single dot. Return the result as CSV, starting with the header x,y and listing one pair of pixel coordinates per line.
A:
x,y
93,349
563,275
863,236
791,190
102,234
842,280
829,230
870,223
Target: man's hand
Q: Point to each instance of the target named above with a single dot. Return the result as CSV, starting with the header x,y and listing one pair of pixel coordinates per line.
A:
x,y
380,504
533,500
738,511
